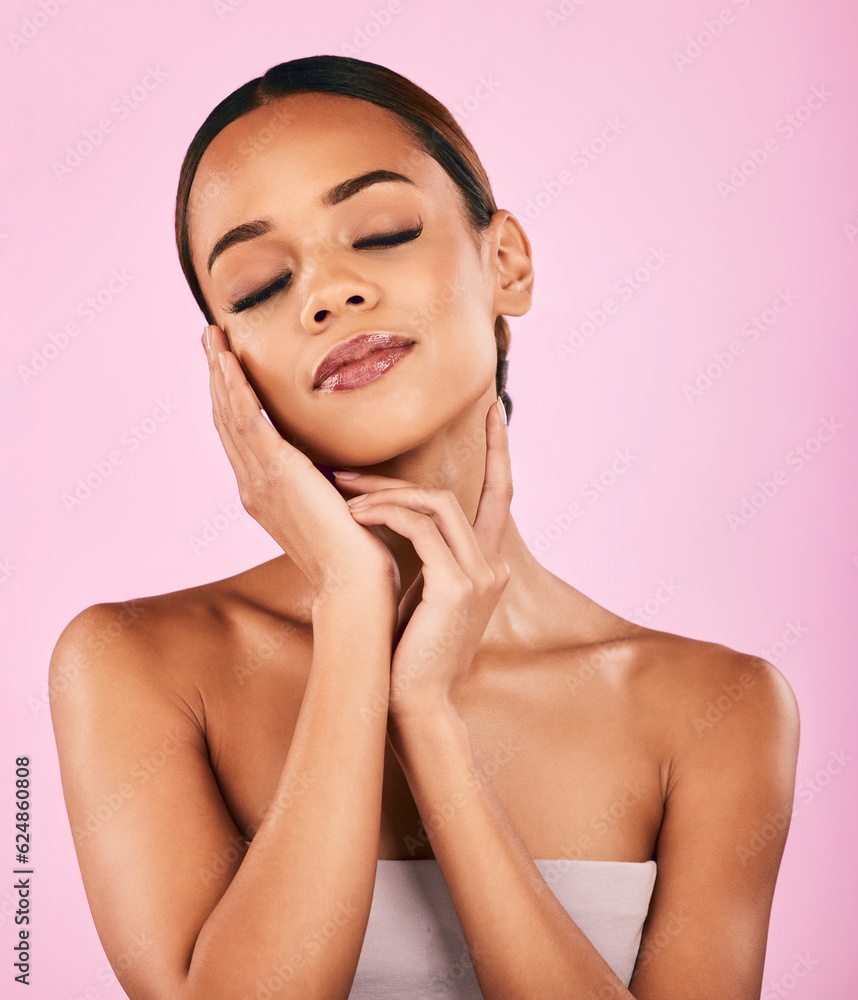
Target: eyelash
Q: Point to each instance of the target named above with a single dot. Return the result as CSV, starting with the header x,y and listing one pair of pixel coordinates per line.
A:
x,y
381,240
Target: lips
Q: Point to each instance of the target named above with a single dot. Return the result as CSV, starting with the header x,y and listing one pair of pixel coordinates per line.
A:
x,y
356,349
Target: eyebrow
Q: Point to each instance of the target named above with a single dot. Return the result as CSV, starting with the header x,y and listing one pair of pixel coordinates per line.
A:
x,y
340,192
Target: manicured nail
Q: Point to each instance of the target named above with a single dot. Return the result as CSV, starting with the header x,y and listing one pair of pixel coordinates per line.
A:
x,y
207,339
355,500
502,408
222,358
342,474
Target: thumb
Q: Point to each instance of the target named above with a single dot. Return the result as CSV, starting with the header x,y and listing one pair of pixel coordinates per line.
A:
x,y
409,602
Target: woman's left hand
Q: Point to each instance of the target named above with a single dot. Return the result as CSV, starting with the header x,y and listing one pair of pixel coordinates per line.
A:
x,y
463,576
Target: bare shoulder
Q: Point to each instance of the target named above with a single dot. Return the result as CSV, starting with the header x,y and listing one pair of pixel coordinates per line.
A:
x,y
681,688
179,641
730,725
142,697
148,637
705,691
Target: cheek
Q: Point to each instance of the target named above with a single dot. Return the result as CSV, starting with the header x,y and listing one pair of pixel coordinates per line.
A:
x,y
445,291
271,372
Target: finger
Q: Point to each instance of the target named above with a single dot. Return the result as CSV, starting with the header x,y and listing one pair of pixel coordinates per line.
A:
x,y
441,571
408,604
444,509
366,482
221,414
253,435
227,346
496,495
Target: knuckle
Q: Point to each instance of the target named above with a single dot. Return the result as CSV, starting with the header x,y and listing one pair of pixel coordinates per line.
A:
x,y
462,588
288,456
273,472
449,499
248,498
259,487
424,524
506,490
500,569
245,424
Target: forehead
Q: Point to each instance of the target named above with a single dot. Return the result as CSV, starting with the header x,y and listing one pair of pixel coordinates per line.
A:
x,y
284,155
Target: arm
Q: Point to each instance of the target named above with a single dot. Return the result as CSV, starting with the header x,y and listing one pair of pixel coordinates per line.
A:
x,y
705,935
522,941
732,777
184,910
722,789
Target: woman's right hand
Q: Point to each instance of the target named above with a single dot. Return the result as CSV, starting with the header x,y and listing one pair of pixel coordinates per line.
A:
x,y
283,490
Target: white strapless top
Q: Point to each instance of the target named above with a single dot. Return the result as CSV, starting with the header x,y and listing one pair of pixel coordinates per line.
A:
x,y
414,948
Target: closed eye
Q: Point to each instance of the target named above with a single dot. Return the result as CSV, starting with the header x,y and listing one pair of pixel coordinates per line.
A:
x,y
368,243
258,297
389,239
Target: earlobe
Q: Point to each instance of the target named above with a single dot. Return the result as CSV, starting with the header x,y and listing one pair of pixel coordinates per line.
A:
x,y
513,262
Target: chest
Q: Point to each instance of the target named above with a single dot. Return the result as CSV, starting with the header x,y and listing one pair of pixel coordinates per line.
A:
x,y
577,772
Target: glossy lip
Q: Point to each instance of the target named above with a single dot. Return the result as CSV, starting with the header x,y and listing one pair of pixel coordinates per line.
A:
x,y
356,349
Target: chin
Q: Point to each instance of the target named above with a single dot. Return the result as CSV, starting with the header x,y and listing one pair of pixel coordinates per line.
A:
x,y
356,443
359,454
354,429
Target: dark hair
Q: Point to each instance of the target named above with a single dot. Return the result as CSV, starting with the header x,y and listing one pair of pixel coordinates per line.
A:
x,y
426,119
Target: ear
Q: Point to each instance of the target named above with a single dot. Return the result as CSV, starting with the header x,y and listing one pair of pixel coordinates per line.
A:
x,y
512,260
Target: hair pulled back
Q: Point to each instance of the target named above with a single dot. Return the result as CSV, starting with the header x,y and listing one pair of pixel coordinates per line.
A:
x,y
434,129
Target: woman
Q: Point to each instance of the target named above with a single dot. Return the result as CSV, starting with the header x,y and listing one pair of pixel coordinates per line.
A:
x,y
402,759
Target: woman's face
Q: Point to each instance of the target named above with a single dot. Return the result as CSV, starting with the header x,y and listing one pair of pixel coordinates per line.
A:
x,y
279,164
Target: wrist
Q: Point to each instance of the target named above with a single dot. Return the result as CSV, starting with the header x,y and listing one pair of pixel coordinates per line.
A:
x,y
344,594
432,720
349,583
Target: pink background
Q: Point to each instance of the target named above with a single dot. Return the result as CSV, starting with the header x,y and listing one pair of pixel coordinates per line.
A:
x,y
529,94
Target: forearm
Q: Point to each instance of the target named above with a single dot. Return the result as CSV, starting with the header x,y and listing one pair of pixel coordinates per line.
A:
x,y
522,941
298,905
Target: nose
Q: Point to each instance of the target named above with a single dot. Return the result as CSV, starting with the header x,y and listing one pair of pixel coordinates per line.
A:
x,y
336,291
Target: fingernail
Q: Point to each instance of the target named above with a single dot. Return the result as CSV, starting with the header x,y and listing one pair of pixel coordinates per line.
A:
x,y
342,474
502,408
355,500
207,339
222,358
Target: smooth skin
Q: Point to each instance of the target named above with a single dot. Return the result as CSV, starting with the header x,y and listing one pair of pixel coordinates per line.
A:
x,y
405,681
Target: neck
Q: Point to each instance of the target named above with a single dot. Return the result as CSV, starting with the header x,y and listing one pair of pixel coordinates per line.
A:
x,y
454,459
